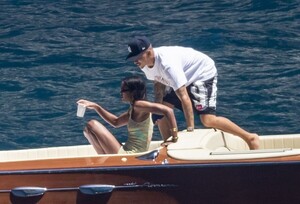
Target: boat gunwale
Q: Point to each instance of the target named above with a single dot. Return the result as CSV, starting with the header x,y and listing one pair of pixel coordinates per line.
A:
x,y
150,167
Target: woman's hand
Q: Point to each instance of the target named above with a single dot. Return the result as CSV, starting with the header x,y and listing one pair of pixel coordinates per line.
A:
x,y
88,104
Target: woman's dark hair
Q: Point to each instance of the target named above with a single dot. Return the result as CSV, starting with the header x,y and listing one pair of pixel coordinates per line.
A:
x,y
137,86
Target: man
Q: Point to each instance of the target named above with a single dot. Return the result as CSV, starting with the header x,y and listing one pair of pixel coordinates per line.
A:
x,y
192,77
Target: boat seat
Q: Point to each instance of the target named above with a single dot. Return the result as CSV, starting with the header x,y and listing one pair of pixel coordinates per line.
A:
x,y
280,141
209,139
210,144
201,142
60,152
47,153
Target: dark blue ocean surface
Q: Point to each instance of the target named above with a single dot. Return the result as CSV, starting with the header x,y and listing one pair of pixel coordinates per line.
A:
x,y
54,53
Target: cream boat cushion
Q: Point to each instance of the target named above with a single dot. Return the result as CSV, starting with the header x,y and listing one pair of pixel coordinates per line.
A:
x,y
211,144
61,152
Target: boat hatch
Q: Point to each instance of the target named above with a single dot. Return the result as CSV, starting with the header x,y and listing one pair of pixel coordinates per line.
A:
x,y
96,189
149,156
28,191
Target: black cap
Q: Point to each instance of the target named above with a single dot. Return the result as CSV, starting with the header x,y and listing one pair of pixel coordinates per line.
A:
x,y
137,46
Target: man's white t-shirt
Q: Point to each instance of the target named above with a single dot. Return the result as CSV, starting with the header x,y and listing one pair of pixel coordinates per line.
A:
x,y
176,66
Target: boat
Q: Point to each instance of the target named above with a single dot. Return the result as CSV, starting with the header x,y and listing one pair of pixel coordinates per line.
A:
x,y
204,166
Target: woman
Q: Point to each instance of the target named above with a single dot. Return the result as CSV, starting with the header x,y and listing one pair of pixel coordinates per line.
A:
x,y
137,119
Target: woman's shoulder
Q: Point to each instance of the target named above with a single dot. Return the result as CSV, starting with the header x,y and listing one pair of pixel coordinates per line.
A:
x,y
142,103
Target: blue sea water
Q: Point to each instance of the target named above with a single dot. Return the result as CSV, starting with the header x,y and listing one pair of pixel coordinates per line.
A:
x,y
53,53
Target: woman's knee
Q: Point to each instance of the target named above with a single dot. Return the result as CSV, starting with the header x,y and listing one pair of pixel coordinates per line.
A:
x,y
92,123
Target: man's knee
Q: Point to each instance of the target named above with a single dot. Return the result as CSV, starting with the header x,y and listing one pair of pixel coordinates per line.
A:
x,y
207,120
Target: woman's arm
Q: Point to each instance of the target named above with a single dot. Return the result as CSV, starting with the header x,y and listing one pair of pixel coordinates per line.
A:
x,y
110,118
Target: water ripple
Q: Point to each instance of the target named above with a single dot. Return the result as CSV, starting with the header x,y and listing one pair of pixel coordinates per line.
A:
x,y
54,53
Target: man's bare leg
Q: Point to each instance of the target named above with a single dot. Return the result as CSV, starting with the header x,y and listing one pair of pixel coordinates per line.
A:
x,y
227,125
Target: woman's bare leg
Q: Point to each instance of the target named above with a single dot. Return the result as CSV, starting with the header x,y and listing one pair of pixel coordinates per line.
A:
x,y
101,139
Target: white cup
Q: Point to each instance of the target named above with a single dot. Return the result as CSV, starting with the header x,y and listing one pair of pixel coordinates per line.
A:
x,y
80,110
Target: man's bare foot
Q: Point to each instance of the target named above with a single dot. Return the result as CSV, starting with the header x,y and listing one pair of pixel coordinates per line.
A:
x,y
254,141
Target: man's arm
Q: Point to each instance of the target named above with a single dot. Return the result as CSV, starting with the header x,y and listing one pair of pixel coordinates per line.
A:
x,y
182,94
159,92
